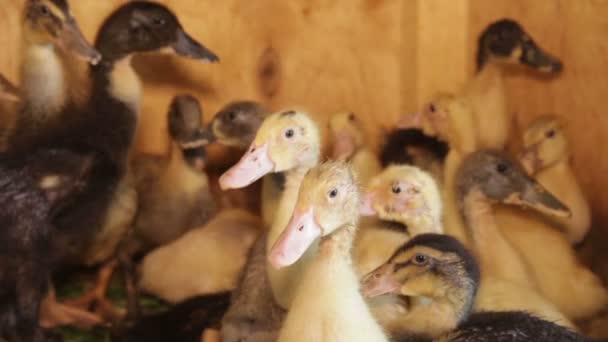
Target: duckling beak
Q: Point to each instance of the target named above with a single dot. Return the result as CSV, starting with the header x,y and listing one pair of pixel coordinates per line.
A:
x,y
301,231
71,39
367,206
200,139
410,121
536,197
380,282
254,164
530,160
188,47
536,58
344,146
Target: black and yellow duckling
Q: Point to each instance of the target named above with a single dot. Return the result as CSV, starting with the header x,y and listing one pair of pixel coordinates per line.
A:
x,y
502,44
89,231
439,277
173,190
32,190
51,80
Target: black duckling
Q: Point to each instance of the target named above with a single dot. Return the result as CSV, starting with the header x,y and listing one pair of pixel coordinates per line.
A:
x,y
439,277
51,81
173,190
90,230
32,189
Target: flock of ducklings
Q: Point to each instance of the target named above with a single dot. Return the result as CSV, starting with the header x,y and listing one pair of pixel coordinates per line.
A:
x,y
428,240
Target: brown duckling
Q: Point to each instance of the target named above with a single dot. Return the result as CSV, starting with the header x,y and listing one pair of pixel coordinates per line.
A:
x,y
502,43
32,190
51,80
349,144
439,278
327,305
173,190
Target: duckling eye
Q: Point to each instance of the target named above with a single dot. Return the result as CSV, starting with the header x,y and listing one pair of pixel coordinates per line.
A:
x,y
351,117
550,134
502,168
44,10
289,133
432,108
333,193
421,259
158,21
396,189
231,116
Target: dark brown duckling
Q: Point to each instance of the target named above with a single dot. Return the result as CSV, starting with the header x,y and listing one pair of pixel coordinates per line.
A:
x,y
32,189
51,80
90,230
439,277
173,190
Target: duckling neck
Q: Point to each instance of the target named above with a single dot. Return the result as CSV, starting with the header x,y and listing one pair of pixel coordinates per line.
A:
x,y
44,85
339,243
117,80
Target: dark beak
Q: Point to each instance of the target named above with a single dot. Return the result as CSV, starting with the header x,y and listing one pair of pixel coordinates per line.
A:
x,y
535,196
200,139
535,57
72,40
188,47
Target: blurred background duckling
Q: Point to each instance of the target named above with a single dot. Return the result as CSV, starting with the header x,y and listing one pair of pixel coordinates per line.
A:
x,y
485,179
349,143
89,231
33,188
546,157
440,277
327,305
173,190
407,201
10,100
575,290
51,78
288,141
502,44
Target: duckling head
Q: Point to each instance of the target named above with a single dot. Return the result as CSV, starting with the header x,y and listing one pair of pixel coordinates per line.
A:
x,y
404,194
347,134
507,42
328,200
50,22
237,123
142,26
498,179
185,129
286,140
8,92
545,144
434,266
59,173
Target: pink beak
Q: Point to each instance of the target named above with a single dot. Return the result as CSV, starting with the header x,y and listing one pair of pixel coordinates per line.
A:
x,y
301,231
367,207
410,121
254,164
379,282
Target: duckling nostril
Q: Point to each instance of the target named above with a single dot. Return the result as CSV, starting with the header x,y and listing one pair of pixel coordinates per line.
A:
x,y
301,228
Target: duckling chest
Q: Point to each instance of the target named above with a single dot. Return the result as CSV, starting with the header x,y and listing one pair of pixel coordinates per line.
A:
x,y
125,85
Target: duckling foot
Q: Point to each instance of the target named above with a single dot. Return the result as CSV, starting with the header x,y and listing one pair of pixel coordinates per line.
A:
x,y
54,314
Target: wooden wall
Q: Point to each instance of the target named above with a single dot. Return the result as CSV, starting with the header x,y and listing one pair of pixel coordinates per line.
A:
x,y
379,58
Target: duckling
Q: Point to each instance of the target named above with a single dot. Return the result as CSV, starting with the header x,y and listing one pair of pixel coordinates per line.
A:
x,y
440,278
290,142
328,305
194,264
546,157
173,190
403,197
235,125
502,43
349,144
50,79
90,230
484,179
32,190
